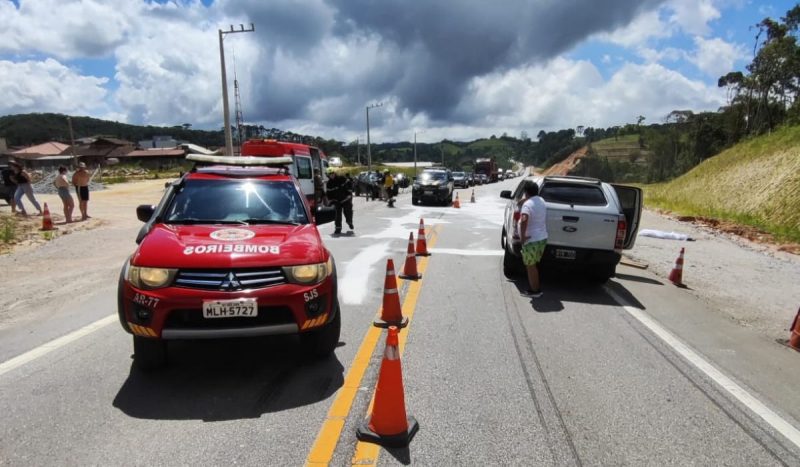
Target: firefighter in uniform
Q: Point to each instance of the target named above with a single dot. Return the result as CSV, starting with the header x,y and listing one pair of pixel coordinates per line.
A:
x,y
341,197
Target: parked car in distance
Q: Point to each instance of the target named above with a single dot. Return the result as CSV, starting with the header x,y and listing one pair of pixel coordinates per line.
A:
x,y
482,179
433,185
460,180
589,223
470,179
367,184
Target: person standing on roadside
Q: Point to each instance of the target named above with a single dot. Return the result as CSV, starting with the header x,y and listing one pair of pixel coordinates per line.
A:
x,y
533,232
62,185
388,185
23,180
81,179
341,197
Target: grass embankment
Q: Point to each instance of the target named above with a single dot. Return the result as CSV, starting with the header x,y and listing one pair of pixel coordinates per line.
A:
x,y
754,183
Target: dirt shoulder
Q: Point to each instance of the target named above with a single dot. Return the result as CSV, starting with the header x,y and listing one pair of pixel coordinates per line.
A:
x,y
46,270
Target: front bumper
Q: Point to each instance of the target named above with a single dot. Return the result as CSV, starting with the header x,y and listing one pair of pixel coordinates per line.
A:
x,y
177,312
430,193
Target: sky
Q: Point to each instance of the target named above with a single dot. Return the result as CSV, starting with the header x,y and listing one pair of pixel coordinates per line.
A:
x,y
454,69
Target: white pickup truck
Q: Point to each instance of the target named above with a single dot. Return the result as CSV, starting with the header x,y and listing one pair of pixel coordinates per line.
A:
x,y
589,223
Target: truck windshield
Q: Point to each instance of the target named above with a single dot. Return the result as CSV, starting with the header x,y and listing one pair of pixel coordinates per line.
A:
x,y
236,201
571,193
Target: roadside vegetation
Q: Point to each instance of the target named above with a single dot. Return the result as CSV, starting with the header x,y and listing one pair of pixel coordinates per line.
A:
x,y
755,183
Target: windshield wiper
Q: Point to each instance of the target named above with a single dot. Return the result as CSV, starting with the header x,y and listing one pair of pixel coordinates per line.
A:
x,y
270,221
192,221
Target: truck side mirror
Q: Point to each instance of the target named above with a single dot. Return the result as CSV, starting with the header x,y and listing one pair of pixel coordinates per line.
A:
x,y
145,211
505,194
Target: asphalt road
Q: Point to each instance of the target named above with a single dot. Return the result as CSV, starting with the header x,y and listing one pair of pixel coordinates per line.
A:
x,y
581,376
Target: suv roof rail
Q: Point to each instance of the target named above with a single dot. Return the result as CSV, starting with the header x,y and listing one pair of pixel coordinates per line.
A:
x,y
573,178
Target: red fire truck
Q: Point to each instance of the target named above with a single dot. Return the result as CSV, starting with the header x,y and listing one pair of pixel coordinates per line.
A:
x,y
309,161
488,167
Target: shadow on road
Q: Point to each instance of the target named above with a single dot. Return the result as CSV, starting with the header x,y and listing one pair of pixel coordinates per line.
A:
x,y
629,277
560,287
218,380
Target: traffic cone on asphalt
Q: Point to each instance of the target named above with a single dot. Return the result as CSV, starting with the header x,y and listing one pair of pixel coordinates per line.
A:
x,y
676,275
391,314
457,203
472,198
388,425
410,268
794,337
47,221
422,244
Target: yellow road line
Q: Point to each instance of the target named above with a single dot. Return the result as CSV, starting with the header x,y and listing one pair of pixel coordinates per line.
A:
x,y
366,454
325,444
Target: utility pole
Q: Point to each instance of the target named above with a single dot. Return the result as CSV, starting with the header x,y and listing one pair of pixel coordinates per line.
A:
x,y
369,153
226,114
72,141
415,151
358,152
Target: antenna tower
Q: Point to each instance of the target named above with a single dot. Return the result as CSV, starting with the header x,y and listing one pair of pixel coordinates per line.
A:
x,y
239,117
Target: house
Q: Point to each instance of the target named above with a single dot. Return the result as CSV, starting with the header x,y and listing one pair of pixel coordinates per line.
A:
x,y
99,149
157,159
43,156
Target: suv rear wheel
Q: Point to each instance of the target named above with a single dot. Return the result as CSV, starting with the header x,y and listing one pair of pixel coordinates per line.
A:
x,y
149,354
322,342
512,265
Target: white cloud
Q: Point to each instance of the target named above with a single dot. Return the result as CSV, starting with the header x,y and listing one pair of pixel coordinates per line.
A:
x,y
646,26
693,16
715,57
565,94
49,86
67,29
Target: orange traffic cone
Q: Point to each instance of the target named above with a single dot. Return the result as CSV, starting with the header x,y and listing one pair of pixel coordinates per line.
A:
x,y
676,275
422,244
388,425
410,268
794,337
47,221
457,203
391,315
472,198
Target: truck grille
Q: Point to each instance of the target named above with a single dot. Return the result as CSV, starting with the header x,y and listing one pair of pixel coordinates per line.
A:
x,y
228,280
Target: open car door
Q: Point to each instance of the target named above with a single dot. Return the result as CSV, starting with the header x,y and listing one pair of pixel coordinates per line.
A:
x,y
631,200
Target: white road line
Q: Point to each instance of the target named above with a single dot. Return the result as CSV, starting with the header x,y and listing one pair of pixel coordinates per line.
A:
x,y
54,344
779,424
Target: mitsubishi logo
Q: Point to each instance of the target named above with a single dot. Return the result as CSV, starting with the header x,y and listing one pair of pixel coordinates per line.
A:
x,y
230,282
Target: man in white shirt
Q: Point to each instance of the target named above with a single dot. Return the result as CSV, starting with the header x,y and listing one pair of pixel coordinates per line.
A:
x,y
533,232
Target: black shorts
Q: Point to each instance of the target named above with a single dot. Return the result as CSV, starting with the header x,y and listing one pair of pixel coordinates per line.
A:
x,y
83,193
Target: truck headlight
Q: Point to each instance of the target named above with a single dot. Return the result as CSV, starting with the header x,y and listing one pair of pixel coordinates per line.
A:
x,y
150,278
309,273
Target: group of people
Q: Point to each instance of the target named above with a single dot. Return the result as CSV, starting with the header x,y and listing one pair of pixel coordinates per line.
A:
x,y
338,192
80,179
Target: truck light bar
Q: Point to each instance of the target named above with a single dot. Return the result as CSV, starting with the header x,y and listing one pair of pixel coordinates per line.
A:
x,y
241,160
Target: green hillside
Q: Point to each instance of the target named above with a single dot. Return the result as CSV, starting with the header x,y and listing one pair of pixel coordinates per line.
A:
x,y
756,183
624,148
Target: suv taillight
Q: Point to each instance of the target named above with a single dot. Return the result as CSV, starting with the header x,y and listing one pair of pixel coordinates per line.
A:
x,y
622,227
516,216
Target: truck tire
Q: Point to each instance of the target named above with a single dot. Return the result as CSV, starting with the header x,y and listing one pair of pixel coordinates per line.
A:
x,y
602,274
512,266
149,354
322,342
